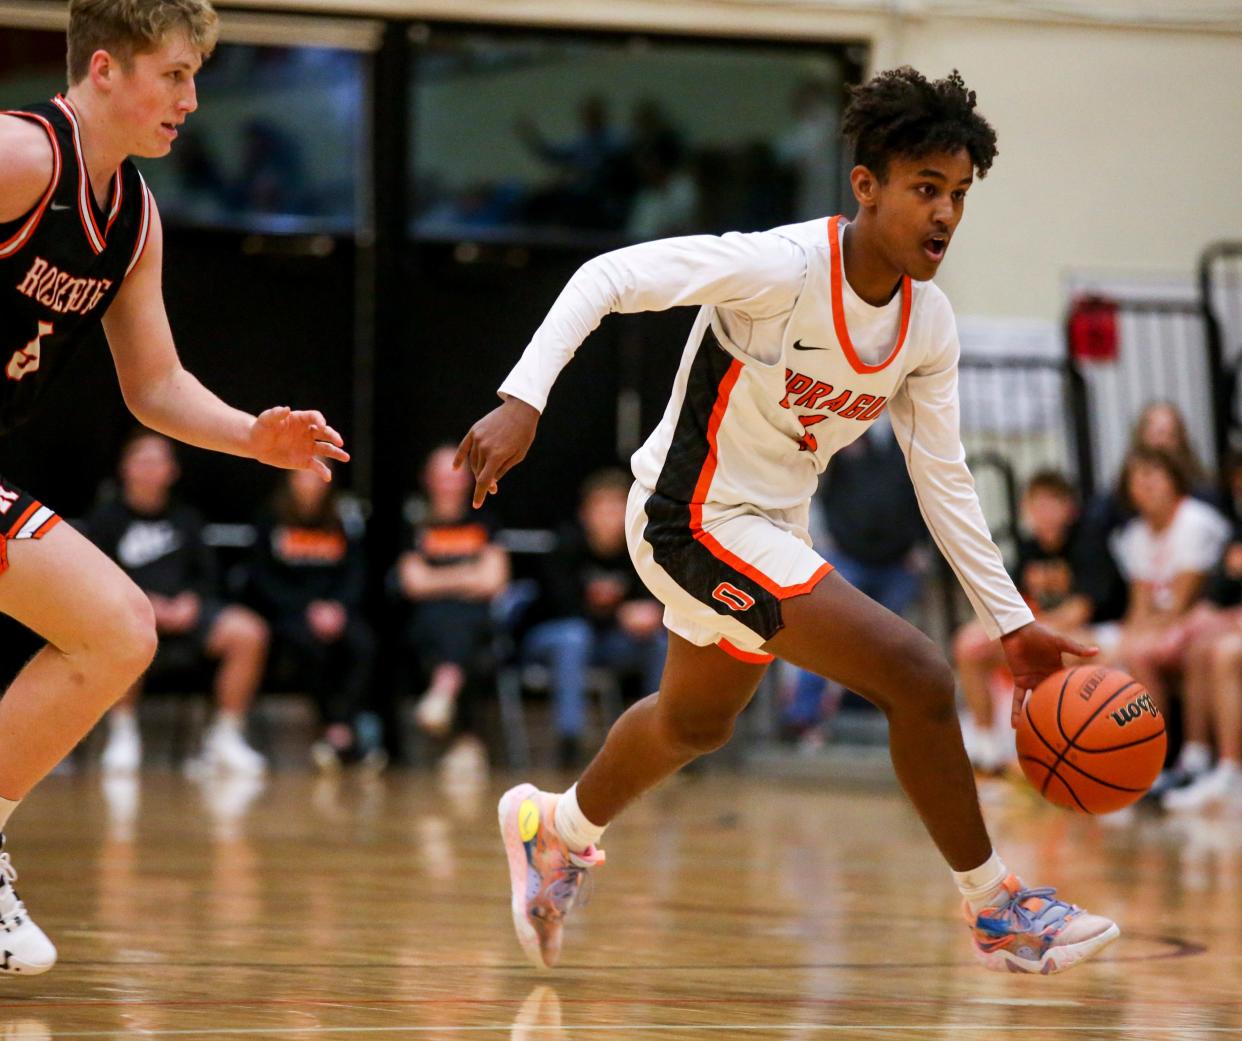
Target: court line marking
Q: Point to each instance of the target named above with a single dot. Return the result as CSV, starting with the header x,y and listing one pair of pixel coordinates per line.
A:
x,y
1146,1031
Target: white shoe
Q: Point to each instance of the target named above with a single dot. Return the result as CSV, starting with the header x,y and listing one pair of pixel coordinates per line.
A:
x,y
24,948
1209,789
226,750
123,753
434,712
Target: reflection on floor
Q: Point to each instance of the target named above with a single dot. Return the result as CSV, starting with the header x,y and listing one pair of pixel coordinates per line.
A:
x,y
730,906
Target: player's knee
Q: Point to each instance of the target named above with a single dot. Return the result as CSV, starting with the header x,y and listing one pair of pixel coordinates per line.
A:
x,y
924,684
699,734
130,639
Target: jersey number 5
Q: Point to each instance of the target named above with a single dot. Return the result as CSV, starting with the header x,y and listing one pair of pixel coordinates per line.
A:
x,y
26,360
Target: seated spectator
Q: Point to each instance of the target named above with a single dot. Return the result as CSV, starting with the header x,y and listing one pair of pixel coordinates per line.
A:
x,y
449,573
1160,425
309,578
1065,573
593,610
876,535
1165,553
158,542
1212,683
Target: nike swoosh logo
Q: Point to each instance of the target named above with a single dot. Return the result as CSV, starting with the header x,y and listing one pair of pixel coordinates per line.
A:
x,y
60,206
798,346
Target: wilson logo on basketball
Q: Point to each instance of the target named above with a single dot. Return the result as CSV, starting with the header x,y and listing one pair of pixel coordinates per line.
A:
x,y
1128,713
733,598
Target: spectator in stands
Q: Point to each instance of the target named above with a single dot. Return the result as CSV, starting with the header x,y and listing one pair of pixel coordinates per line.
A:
x,y
593,610
590,169
810,148
1160,425
309,578
1165,553
1212,683
1065,573
450,572
158,542
876,538
667,199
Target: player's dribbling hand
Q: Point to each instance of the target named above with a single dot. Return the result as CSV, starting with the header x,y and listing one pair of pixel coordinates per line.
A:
x,y
496,444
296,441
1034,653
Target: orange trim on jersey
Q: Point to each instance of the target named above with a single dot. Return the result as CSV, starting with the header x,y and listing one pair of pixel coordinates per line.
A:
x,y
47,526
838,307
27,513
144,226
24,233
93,235
703,486
749,657
117,187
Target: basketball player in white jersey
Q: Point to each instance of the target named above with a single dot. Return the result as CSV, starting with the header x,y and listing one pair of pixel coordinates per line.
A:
x,y
805,335
81,246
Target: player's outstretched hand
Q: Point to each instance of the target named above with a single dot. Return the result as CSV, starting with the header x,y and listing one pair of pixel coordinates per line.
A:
x,y
296,441
496,444
1034,653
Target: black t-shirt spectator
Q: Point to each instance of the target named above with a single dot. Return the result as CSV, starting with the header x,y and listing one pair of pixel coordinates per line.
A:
x,y
576,581
164,552
296,565
1223,588
1082,566
442,543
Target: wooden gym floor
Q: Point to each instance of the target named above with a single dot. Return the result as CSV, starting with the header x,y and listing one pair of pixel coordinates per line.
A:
x,y
730,907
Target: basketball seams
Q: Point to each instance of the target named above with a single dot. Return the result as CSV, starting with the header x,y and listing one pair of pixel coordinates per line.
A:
x,y
1061,698
1048,778
1118,748
1070,741
1052,770
1101,707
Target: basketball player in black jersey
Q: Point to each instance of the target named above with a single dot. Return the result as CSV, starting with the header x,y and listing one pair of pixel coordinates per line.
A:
x,y
81,244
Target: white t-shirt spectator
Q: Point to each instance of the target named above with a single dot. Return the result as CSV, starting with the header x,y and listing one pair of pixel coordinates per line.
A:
x,y
1193,541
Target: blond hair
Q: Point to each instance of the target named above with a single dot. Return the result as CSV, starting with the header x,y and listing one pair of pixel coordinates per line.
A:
x,y
128,27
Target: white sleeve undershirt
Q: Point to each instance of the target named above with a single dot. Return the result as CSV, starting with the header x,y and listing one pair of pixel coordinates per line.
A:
x,y
752,276
925,416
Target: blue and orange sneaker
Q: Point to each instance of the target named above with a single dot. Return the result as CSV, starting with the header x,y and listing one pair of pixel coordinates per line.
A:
x,y
1032,931
545,875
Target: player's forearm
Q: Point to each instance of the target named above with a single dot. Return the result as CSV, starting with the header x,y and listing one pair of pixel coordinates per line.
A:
x,y
178,405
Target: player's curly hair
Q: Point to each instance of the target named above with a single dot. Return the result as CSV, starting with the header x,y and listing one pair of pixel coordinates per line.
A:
x,y
902,113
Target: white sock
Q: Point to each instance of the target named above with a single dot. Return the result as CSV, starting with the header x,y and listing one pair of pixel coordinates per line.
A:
x,y
1195,757
572,825
7,806
981,884
122,719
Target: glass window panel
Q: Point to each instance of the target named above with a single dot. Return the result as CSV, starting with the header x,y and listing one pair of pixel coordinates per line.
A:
x,y
543,137
278,143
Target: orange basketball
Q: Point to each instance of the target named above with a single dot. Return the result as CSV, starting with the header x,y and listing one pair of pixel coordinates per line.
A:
x,y
1091,739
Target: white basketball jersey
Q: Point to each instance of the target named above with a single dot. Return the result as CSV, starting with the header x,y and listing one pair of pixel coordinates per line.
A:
x,y
784,366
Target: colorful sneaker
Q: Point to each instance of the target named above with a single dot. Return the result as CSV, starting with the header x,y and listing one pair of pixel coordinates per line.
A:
x,y
24,948
1032,931
545,876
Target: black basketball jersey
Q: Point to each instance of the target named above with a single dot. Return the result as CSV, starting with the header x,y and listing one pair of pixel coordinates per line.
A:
x,y
62,263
